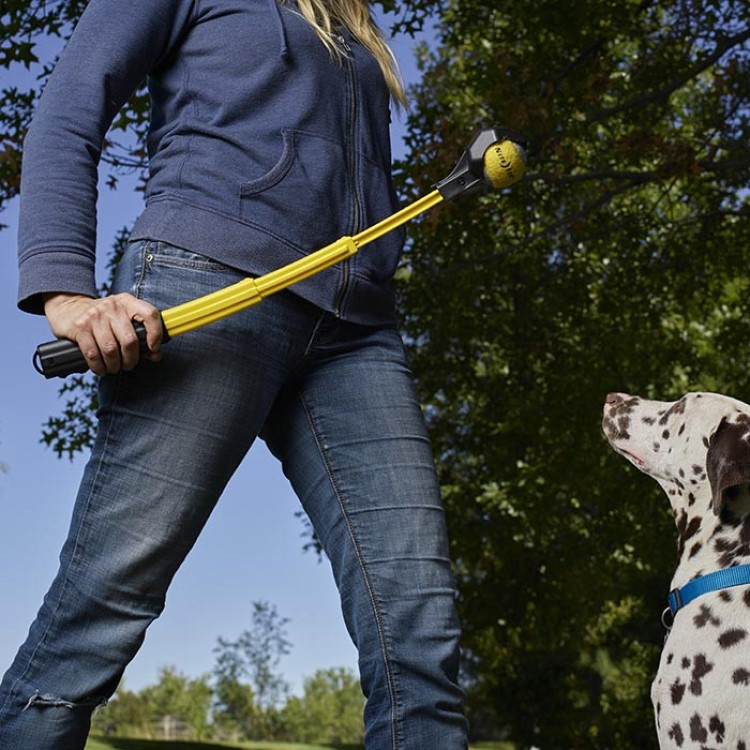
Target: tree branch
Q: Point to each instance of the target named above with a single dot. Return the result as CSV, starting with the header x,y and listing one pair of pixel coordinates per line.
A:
x,y
605,174
666,91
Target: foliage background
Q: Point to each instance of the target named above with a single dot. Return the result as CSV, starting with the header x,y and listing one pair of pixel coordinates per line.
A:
x,y
621,263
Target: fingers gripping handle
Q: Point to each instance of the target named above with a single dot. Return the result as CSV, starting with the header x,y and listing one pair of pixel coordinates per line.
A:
x,y
62,357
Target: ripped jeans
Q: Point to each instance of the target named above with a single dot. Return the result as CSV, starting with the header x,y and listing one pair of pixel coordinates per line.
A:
x,y
336,405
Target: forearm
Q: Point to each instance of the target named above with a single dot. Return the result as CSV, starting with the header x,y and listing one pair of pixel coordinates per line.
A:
x,y
113,48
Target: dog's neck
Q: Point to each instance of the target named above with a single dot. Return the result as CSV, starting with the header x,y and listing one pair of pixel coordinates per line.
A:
x,y
706,542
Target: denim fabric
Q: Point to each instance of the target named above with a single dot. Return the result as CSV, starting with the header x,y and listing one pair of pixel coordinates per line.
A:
x,y
336,404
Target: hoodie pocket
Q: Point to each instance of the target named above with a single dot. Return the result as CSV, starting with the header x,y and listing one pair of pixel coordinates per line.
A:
x,y
305,198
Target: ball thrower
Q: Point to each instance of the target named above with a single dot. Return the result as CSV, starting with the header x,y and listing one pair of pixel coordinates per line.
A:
x,y
495,158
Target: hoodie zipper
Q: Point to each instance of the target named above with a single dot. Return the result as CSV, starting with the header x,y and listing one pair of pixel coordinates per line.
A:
x,y
352,164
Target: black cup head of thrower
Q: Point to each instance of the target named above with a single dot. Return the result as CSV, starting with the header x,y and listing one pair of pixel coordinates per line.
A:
x,y
505,163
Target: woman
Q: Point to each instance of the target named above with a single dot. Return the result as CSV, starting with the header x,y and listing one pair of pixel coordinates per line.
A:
x,y
268,139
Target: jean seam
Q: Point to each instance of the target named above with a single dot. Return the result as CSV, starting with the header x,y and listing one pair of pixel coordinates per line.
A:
x,y
140,275
304,356
63,586
363,568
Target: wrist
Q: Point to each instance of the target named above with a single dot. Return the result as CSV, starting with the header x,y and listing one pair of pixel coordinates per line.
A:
x,y
53,300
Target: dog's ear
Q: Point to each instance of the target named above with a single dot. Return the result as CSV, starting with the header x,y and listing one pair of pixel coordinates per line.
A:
x,y
728,460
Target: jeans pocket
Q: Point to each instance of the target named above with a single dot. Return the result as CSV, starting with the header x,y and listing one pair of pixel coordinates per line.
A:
x,y
166,275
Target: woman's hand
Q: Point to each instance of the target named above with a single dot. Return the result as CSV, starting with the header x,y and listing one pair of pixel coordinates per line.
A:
x,y
103,328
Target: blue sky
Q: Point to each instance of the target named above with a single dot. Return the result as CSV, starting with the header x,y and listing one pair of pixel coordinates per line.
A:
x,y
250,550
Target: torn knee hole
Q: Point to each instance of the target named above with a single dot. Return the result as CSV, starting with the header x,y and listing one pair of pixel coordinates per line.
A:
x,y
38,700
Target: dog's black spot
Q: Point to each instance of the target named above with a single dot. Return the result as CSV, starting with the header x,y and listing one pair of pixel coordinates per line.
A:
x,y
697,469
675,733
682,429
648,420
698,732
725,596
705,617
685,663
695,549
701,667
623,423
677,692
676,408
670,657
722,544
732,637
741,676
656,447
729,550
616,430
691,499
686,529
681,472
717,727
746,597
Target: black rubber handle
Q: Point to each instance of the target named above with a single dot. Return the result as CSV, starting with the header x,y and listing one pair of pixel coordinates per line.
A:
x,y
62,357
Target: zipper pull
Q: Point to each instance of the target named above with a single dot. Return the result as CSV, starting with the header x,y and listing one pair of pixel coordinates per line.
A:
x,y
344,43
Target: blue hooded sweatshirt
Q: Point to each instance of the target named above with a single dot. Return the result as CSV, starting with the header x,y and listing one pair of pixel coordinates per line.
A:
x,y
262,147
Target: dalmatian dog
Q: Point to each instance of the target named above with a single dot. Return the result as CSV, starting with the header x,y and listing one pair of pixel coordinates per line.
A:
x,y
698,450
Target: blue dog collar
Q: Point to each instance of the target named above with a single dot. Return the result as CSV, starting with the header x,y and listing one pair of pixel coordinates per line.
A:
x,y
720,579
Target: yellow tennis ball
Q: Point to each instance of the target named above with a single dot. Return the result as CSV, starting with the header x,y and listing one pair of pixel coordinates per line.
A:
x,y
504,163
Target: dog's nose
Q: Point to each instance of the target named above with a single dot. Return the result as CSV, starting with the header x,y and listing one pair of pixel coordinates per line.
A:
x,y
613,399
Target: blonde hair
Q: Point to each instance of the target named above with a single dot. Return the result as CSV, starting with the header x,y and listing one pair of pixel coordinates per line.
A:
x,y
355,16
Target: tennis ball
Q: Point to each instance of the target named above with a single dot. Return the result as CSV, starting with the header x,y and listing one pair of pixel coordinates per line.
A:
x,y
504,163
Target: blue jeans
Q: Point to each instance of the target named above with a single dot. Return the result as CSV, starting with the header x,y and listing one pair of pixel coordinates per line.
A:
x,y
336,405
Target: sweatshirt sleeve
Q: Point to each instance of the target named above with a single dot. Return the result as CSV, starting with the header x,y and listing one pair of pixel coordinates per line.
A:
x,y
114,46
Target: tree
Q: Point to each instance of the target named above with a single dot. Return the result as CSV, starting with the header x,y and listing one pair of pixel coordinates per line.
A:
x,y
176,707
249,708
235,712
620,264
329,711
125,715
32,28
179,705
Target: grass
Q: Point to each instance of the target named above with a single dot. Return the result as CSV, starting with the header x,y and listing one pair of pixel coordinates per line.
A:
x,y
116,743
124,744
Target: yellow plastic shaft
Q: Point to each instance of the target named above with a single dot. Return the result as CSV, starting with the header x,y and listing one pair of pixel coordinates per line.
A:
x,y
399,218
248,292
